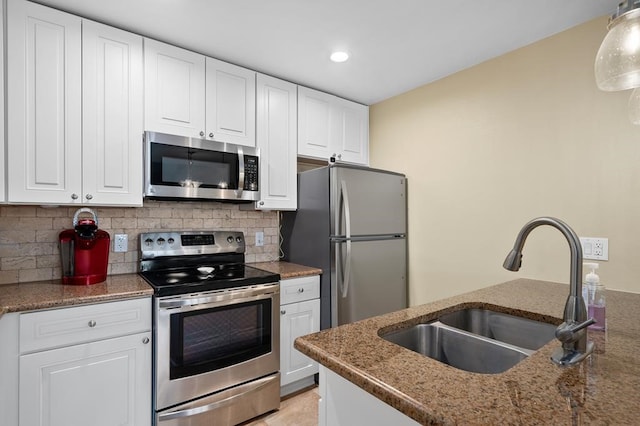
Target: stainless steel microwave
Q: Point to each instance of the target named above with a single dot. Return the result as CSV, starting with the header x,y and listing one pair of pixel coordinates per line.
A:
x,y
178,167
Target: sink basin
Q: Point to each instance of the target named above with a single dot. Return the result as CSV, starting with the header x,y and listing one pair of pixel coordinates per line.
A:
x,y
511,329
476,340
458,349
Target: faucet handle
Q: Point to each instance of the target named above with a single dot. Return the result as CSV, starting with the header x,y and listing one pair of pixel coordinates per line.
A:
x,y
566,332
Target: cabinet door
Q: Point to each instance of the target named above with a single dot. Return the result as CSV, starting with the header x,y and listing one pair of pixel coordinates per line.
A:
x,y
314,123
102,383
352,127
174,90
230,103
277,140
112,115
297,319
44,92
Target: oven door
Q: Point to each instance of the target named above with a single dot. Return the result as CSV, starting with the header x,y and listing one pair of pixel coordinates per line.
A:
x,y
211,341
181,167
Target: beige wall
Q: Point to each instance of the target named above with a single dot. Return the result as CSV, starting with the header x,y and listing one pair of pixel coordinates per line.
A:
x,y
524,135
29,234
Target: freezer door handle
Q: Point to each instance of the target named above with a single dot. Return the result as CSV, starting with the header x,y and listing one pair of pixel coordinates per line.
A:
x,y
347,220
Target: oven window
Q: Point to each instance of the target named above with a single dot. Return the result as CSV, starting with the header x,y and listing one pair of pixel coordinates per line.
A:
x,y
210,339
174,165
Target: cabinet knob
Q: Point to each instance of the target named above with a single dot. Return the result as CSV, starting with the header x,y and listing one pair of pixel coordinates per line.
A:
x,y
88,196
282,312
339,156
211,135
301,290
145,340
261,203
201,133
74,196
92,323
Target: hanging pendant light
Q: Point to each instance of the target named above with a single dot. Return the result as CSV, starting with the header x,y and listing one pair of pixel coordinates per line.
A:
x,y
617,64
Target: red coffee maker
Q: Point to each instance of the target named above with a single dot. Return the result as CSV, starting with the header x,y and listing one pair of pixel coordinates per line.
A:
x,y
84,251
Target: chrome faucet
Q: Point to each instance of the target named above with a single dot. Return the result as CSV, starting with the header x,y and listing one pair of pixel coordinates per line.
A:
x,y
571,332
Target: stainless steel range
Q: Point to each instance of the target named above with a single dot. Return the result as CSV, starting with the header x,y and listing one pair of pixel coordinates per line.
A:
x,y
216,329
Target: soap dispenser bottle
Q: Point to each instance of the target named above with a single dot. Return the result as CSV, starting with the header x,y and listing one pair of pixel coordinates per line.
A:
x,y
593,293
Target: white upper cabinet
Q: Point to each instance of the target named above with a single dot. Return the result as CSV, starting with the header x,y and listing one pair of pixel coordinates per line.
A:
x,y
230,103
75,110
277,140
44,98
352,129
314,123
174,90
112,115
328,126
188,94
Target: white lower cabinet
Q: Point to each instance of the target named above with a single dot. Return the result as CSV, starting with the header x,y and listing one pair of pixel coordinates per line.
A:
x,y
344,404
102,377
299,315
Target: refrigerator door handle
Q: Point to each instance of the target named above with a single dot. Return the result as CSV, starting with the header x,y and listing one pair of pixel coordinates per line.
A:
x,y
347,219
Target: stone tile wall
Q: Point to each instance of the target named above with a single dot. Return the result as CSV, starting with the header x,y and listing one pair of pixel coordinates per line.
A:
x,y
29,234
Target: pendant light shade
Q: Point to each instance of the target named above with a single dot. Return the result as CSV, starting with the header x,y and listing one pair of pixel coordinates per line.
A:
x,y
617,64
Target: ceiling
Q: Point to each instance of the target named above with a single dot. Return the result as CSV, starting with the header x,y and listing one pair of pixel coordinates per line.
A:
x,y
395,45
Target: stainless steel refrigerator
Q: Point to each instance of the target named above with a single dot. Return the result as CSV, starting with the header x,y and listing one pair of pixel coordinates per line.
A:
x,y
352,223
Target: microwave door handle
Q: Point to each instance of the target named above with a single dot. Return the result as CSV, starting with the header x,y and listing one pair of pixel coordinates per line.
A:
x,y
240,172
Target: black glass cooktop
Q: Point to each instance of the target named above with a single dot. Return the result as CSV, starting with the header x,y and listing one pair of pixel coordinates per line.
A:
x,y
205,277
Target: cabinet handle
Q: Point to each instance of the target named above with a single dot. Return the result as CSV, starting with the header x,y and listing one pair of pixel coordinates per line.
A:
x,y
88,196
282,311
211,135
301,290
145,340
92,323
201,133
74,196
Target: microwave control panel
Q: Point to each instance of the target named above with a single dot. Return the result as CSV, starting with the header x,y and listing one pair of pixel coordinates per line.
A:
x,y
250,173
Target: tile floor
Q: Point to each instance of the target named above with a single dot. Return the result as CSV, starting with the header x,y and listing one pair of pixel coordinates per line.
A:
x,y
301,409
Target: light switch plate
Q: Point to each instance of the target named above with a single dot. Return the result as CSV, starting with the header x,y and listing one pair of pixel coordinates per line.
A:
x,y
259,239
595,248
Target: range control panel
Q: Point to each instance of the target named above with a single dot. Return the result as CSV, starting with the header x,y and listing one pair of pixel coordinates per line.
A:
x,y
156,244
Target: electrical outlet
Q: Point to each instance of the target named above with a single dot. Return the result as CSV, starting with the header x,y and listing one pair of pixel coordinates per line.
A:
x,y
120,243
259,239
595,248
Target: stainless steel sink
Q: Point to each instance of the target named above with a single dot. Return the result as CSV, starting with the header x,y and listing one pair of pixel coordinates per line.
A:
x,y
511,329
476,340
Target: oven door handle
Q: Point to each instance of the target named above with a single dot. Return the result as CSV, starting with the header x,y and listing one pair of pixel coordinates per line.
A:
x,y
237,295
239,392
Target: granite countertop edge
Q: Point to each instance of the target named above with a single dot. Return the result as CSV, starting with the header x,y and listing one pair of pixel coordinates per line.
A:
x,y
535,391
48,294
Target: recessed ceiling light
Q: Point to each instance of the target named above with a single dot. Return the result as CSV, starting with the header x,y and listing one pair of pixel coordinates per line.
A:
x,y
339,56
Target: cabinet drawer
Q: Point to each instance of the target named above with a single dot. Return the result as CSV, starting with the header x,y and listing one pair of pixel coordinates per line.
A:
x,y
80,324
299,289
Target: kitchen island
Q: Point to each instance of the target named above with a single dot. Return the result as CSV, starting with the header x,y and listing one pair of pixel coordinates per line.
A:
x,y
601,390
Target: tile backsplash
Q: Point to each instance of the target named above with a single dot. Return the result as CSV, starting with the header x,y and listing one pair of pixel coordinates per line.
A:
x,y
29,234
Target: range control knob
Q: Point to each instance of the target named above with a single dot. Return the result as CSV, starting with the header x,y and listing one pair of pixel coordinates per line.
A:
x,y
230,239
238,240
148,242
171,241
160,241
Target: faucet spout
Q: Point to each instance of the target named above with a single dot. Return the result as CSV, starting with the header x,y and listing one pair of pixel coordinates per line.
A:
x,y
571,332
